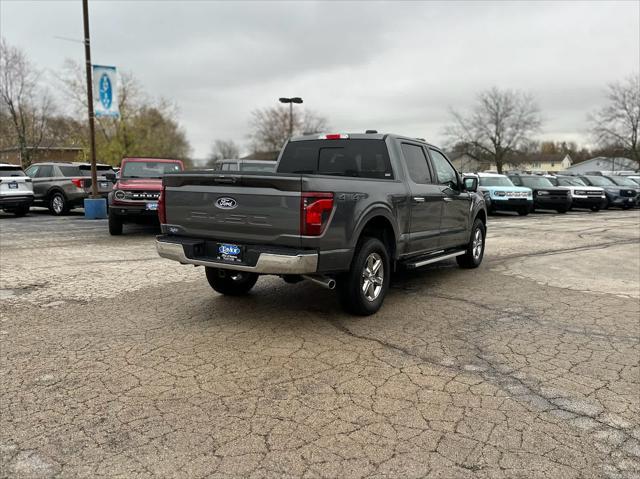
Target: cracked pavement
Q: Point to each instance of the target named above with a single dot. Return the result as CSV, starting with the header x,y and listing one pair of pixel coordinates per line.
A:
x,y
118,363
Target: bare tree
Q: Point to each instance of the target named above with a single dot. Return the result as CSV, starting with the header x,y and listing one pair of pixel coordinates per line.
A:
x,y
270,126
27,106
500,123
223,149
618,122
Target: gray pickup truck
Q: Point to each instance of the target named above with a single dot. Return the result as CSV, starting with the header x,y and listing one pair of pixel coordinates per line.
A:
x,y
341,210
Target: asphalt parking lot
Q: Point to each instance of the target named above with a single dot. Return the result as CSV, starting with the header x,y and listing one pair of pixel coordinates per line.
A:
x,y
118,363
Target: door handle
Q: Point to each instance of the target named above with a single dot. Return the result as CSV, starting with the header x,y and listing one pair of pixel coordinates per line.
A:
x,y
446,198
418,199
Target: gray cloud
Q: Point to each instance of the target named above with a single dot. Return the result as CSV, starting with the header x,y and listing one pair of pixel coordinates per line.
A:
x,y
390,66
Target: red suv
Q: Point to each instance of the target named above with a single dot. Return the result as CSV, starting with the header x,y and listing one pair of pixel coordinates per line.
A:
x,y
135,193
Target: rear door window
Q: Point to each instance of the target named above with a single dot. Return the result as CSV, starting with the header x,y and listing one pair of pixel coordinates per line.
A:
x,y
69,171
353,158
417,163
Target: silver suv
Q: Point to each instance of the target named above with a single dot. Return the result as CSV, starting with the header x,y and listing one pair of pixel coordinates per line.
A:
x,y
63,186
16,190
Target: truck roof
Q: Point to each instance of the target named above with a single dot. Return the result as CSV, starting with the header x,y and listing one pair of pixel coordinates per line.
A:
x,y
361,136
162,160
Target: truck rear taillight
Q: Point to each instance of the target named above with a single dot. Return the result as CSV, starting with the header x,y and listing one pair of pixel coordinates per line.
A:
x,y
315,209
79,182
162,211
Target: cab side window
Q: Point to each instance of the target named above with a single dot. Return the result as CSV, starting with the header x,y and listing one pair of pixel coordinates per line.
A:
x,y
446,173
416,162
45,171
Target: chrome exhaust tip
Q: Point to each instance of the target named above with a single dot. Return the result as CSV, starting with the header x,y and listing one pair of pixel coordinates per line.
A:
x,y
323,281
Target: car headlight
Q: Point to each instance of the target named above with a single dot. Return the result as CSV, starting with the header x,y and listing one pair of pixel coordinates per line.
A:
x,y
499,193
580,192
542,193
119,195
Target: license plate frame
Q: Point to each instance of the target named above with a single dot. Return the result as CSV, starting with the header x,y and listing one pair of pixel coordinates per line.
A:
x,y
229,253
152,206
13,185
104,185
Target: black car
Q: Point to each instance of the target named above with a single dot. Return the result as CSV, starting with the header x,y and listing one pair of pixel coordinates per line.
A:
x,y
545,195
582,195
618,196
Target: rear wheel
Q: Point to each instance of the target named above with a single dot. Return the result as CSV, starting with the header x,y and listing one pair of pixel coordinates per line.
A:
x,y
362,290
231,283
523,211
475,249
58,204
562,210
595,208
115,224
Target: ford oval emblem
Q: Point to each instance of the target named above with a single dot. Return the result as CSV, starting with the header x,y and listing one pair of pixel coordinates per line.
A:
x,y
226,203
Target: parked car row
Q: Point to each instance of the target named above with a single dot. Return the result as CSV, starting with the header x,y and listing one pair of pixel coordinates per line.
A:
x,y
525,193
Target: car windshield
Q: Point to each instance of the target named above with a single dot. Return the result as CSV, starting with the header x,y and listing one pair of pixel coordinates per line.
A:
x,y
599,181
495,181
148,169
11,171
622,181
536,182
570,182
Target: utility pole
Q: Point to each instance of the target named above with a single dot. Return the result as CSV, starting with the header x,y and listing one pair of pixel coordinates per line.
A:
x,y
291,101
92,131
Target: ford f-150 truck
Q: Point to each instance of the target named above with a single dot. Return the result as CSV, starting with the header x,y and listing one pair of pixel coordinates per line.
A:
x,y
342,210
135,193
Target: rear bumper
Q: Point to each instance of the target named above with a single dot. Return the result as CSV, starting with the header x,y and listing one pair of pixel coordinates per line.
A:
x,y
293,262
15,201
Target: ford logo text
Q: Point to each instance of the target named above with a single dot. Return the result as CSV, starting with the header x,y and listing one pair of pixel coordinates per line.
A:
x,y
226,203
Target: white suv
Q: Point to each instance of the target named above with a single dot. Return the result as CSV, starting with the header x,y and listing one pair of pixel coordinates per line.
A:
x,y
16,190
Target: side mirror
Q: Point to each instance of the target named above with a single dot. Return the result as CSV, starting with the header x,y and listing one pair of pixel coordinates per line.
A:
x,y
111,177
470,183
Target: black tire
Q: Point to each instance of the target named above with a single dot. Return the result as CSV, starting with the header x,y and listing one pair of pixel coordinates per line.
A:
x,y
523,211
475,252
626,207
351,285
595,208
58,204
229,282
605,205
562,210
115,225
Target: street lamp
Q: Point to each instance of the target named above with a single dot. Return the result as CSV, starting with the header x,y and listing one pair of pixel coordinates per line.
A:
x,y
291,101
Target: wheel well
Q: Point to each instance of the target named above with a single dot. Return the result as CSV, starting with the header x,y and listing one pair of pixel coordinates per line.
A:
x,y
482,216
380,227
53,191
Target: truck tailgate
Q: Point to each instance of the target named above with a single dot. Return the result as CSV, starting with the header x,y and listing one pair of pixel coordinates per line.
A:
x,y
238,208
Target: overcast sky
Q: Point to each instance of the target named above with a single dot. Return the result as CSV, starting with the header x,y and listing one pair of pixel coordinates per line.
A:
x,y
394,67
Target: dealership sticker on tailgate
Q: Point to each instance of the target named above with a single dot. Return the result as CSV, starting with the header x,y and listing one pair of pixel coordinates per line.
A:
x,y
229,252
152,205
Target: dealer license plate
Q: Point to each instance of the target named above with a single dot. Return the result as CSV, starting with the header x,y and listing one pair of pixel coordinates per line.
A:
x,y
152,206
13,185
229,252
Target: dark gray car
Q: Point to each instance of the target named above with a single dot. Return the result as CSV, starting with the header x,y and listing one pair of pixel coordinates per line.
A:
x,y
63,186
341,210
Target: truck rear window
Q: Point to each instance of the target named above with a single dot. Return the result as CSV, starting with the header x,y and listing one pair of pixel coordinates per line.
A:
x,y
354,158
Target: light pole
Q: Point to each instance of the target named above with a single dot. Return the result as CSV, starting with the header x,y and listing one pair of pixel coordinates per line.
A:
x,y
291,101
92,134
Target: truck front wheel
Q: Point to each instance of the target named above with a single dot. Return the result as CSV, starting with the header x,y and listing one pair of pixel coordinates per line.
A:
x,y
475,249
231,283
363,289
